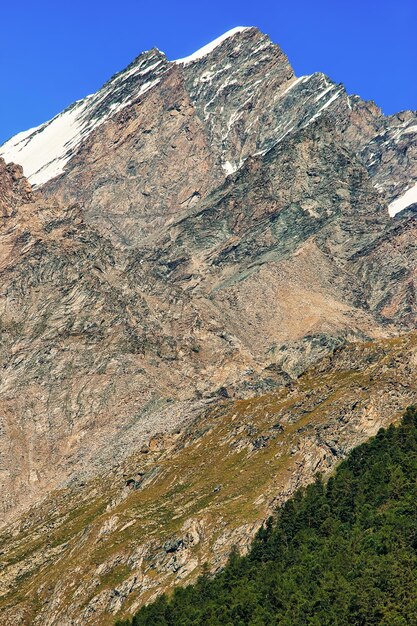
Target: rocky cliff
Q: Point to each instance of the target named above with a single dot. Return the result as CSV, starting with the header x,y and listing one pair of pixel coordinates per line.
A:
x,y
199,234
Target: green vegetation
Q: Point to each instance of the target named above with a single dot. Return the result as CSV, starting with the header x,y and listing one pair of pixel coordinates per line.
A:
x,y
340,554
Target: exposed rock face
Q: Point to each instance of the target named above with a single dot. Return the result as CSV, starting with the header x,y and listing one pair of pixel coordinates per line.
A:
x,y
204,119
161,164
208,231
14,188
82,352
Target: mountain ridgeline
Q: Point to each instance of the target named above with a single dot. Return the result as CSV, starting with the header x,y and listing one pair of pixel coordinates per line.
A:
x,y
208,294
341,553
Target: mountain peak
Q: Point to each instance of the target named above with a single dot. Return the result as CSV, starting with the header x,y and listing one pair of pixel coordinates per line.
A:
x,y
202,52
45,150
245,94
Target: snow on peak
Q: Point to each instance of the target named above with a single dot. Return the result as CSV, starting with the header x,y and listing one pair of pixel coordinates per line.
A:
x,y
44,151
202,52
408,198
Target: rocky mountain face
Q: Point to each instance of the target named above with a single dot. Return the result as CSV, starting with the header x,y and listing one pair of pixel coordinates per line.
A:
x,y
207,113
198,235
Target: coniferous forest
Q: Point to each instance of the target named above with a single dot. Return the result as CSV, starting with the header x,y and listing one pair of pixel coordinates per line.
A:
x,y
341,553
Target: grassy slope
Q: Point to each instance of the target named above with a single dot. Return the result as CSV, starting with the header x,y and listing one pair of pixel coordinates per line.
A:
x,y
100,551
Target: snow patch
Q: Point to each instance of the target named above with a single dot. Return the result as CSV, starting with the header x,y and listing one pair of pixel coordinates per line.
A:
x,y
301,79
202,52
323,93
207,77
325,106
231,168
44,152
150,68
410,130
407,199
262,46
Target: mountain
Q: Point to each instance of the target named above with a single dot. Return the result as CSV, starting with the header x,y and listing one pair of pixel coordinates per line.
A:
x,y
197,235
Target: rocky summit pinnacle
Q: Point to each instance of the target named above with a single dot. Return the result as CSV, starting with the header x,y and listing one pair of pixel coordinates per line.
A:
x,y
242,67
209,251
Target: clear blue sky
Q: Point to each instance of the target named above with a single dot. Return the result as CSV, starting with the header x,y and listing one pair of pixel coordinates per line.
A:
x,y
54,52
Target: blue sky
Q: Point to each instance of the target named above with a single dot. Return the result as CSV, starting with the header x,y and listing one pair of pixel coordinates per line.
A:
x,y
52,53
